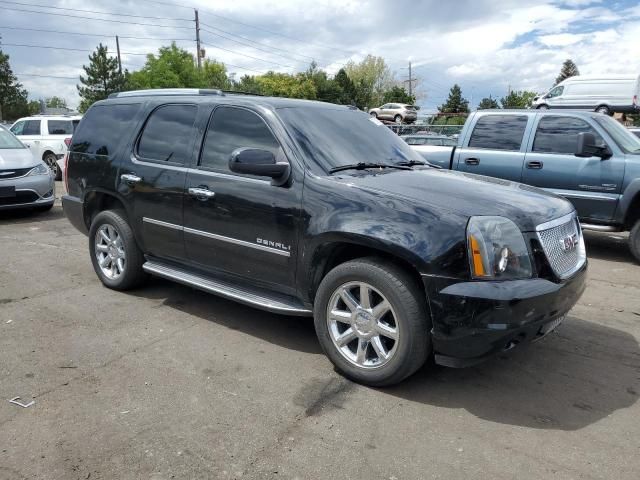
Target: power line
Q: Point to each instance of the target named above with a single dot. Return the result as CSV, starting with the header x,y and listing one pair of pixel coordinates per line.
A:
x,y
62,48
67,15
98,12
248,56
210,12
109,35
44,76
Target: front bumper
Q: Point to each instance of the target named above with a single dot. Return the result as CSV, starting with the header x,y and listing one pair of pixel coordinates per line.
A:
x,y
474,320
30,191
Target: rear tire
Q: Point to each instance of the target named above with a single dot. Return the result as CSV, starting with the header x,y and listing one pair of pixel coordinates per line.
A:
x,y
603,109
374,114
634,241
542,107
52,162
368,326
397,119
115,255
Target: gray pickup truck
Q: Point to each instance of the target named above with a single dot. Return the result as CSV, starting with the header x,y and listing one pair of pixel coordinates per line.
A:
x,y
587,157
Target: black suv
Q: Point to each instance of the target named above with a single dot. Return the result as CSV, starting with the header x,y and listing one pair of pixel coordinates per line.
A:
x,y
309,208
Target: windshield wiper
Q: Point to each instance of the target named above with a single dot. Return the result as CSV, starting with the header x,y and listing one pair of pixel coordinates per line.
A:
x,y
365,165
411,163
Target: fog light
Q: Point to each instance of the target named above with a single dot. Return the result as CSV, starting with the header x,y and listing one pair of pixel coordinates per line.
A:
x,y
48,194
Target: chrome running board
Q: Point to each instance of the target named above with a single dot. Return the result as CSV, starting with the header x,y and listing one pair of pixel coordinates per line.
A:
x,y
599,228
272,302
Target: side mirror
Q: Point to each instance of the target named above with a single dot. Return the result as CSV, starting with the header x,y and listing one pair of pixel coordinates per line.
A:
x,y
587,147
261,163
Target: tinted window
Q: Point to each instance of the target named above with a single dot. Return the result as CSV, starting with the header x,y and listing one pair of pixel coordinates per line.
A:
x,y
332,136
232,128
623,138
499,132
167,134
60,127
103,128
7,140
26,127
560,134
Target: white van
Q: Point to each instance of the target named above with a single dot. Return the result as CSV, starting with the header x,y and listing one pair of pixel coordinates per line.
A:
x,y
602,93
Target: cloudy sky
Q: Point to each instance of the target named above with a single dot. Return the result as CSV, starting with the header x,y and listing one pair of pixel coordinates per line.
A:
x,y
485,46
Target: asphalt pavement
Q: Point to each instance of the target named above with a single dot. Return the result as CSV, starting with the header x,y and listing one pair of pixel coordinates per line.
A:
x,y
168,382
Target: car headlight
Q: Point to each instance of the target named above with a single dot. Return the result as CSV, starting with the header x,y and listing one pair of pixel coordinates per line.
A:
x,y
497,249
41,169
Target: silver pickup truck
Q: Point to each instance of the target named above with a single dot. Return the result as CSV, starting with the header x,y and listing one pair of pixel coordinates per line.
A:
x,y
587,157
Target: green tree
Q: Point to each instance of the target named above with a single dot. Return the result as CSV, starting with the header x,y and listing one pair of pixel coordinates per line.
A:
x,y
33,107
102,78
371,77
248,84
346,86
518,99
173,67
488,103
277,84
13,98
215,75
455,103
326,89
399,95
56,102
569,69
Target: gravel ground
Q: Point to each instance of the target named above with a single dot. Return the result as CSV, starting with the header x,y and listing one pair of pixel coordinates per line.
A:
x,y
168,382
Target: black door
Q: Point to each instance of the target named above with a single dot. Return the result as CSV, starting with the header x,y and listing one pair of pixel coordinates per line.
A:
x,y
238,224
154,179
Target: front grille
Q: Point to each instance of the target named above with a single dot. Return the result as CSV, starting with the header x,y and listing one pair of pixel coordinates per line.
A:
x,y
564,261
14,173
20,198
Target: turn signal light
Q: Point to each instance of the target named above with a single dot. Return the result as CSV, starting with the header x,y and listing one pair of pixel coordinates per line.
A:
x,y
476,256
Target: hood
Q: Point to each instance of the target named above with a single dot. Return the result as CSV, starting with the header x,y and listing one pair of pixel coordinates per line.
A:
x,y
468,194
16,158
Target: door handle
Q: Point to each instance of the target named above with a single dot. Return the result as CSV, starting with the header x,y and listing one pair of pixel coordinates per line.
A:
x,y
535,165
130,179
202,194
472,161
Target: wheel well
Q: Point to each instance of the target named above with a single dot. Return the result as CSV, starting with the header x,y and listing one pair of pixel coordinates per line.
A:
x,y
96,202
335,254
633,213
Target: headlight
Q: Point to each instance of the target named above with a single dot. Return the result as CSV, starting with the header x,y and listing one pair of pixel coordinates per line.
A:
x,y
41,169
497,249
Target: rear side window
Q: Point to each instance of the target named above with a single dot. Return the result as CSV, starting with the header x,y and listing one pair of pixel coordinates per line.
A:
x,y
60,127
499,132
560,134
103,129
168,133
232,128
26,127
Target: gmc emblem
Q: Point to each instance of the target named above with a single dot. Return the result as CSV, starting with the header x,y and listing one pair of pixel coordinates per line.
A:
x,y
569,243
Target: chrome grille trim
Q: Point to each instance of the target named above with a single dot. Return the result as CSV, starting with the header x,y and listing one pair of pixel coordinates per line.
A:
x,y
551,235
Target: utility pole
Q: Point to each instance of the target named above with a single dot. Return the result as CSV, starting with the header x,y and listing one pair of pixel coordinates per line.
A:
x,y
119,60
410,80
198,38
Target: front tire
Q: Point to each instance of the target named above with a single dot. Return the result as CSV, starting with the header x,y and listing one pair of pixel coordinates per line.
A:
x,y
634,241
374,114
115,255
52,162
542,107
371,320
398,119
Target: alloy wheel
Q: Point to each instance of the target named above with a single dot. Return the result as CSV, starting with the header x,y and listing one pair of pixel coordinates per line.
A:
x,y
109,251
362,325
52,163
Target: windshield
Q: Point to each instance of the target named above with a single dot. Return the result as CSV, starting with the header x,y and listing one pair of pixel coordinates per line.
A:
x,y
627,142
7,140
337,136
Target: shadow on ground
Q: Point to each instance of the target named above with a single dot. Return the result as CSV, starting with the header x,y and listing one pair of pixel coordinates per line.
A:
x,y
612,246
26,215
567,381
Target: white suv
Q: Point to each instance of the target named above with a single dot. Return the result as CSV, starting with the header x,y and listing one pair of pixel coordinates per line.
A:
x,y
45,135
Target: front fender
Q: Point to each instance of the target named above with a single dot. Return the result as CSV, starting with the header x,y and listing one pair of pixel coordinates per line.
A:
x,y
631,192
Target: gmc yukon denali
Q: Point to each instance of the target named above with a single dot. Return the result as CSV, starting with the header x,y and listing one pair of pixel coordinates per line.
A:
x,y
309,208
589,158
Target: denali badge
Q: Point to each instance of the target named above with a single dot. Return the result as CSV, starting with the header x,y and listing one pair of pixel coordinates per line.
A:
x,y
569,243
269,243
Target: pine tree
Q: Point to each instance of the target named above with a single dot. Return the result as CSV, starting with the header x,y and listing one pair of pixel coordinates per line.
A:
x,y
488,103
348,95
569,69
102,78
456,103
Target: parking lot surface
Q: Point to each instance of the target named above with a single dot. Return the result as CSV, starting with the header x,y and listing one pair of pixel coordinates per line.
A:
x,y
168,382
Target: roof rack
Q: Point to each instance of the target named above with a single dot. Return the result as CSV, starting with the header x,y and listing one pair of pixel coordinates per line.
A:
x,y
155,92
240,92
